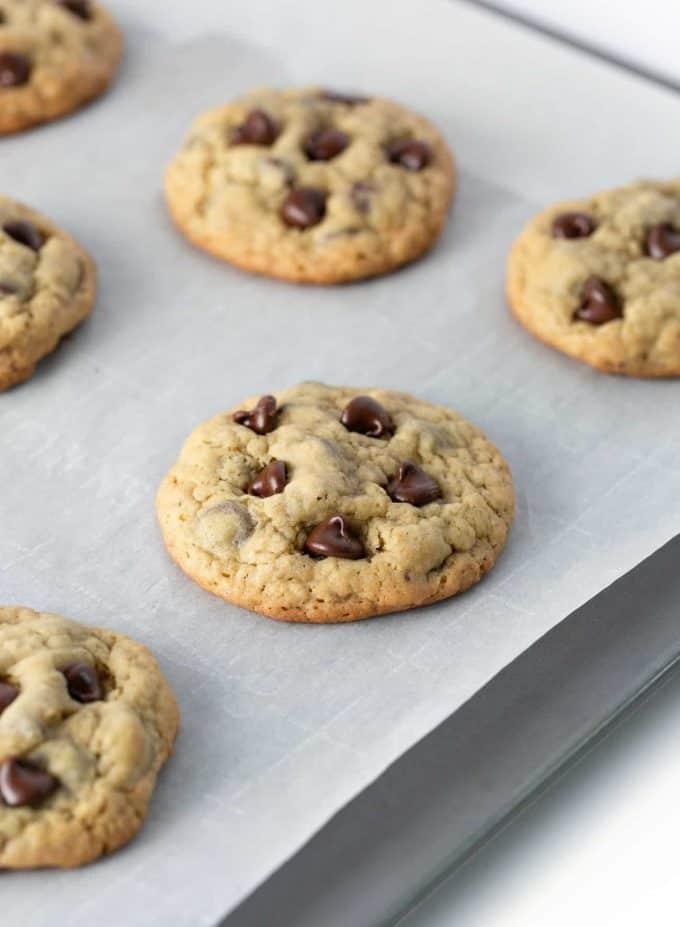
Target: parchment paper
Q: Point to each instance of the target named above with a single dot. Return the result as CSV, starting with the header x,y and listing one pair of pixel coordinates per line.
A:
x,y
282,725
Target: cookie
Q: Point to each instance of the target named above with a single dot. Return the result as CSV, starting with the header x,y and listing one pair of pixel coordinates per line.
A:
x,y
55,55
328,504
599,279
86,722
312,186
47,286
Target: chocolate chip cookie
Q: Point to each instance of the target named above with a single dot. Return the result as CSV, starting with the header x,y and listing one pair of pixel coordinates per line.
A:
x,y
599,279
55,55
312,186
327,504
47,286
86,722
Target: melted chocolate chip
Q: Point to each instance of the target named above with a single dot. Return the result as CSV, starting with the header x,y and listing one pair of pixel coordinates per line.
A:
x,y
22,783
82,682
662,241
25,233
270,481
410,153
333,538
3,18
362,194
15,69
7,289
8,693
303,207
80,8
573,225
367,417
599,303
325,144
347,99
258,129
413,485
261,419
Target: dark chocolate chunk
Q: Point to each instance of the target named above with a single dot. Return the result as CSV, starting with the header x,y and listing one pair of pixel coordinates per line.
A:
x,y
410,153
80,8
15,69
304,207
599,303
261,419
333,538
270,481
258,129
25,233
573,225
325,144
413,485
367,417
8,693
662,241
23,783
82,682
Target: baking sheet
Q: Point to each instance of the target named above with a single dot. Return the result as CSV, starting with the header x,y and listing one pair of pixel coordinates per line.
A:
x,y
412,829
282,725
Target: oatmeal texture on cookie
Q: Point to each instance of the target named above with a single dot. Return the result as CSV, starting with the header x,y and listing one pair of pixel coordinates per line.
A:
x,y
379,502
86,722
312,186
47,286
599,279
55,55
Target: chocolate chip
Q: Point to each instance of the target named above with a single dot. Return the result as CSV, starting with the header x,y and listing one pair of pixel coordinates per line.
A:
x,y
333,538
80,8
410,153
347,99
303,207
599,303
367,417
258,129
82,683
8,693
261,419
23,783
573,225
362,194
325,144
270,481
662,240
3,18
7,289
15,69
413,485
25,233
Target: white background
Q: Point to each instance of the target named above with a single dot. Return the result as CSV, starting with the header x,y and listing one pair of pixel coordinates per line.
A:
x,y
643,33
601,847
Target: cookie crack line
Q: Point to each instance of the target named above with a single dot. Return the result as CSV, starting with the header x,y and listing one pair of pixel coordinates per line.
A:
x,y
299,185
86,723
333,495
